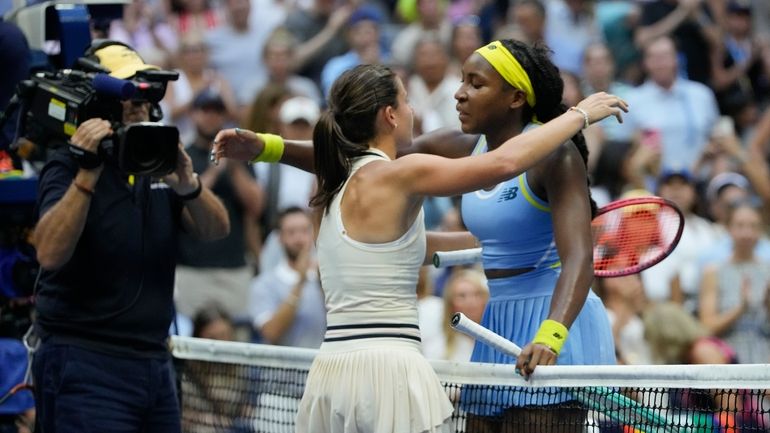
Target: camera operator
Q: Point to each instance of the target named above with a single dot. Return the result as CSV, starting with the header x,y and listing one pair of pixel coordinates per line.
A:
x,y
106,242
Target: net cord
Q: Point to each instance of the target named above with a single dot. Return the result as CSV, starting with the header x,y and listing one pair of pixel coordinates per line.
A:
x,y
733,376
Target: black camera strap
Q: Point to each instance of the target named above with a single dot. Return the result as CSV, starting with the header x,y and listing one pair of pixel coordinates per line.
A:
x,y
87,160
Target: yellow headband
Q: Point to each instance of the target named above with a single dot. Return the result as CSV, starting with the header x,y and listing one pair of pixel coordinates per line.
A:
x,y
509,68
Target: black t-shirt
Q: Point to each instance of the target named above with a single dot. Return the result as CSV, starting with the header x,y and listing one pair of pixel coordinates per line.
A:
x,y
689,38
230,251
116,292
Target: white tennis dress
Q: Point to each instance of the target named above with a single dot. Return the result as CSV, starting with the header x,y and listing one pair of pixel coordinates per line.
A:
x,y
370,375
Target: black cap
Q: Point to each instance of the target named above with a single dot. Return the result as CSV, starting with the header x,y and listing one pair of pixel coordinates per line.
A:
x,y
670,173
209,99
739,6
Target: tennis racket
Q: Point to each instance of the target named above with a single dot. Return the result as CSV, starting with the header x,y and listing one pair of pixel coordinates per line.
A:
x,y
629,236
607,401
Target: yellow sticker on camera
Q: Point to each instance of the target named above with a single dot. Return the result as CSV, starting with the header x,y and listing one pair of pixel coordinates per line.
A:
x,y
69,128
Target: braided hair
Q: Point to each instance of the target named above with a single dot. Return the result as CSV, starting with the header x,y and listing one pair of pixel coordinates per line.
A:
x,y
548,86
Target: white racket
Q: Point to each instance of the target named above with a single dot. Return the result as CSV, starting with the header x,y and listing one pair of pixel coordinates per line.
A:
x,y
443,259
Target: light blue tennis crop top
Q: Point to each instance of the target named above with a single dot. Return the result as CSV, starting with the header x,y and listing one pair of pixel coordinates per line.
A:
x,y
512,223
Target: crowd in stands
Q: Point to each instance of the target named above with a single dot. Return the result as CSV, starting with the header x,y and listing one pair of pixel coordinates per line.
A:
x,y
695,73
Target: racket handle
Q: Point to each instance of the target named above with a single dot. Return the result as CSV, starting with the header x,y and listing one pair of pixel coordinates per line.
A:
x,y
443,259
463,324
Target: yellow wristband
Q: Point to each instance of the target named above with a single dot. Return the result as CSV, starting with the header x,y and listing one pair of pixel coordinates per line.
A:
x,y
273,150
552,334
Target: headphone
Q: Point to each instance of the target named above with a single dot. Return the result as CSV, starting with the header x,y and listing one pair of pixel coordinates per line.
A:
x,y
91,61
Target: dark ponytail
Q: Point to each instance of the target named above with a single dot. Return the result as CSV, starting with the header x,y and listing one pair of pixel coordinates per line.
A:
x,y
344,131
548,87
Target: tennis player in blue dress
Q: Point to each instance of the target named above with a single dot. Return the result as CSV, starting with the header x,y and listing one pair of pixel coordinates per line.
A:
x,y
535,236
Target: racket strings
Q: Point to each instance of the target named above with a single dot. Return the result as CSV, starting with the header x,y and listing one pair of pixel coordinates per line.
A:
x,y
634,236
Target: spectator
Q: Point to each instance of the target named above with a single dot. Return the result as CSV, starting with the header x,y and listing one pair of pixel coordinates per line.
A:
x,y
737,68
465,292
688,23
683,129
619,20
599,76
466,37
212,321
217,396
279,57
263,114
733,291
14,52
431,88
625,300
286,186
363,35
317,30
193,17
195,76
677,338
722,192
236,47
570,27
17,408
430,312
287,304
432,19
220,264
677,277
529,16
757,156
143,28
615,171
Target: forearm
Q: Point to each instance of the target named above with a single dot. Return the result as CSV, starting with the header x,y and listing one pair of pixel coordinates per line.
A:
x,y
252,235
756,170
718,324
571,291
525,150
309,50
208,219
275,328
725,77
446,142
448,241
647,34
60,228
299,154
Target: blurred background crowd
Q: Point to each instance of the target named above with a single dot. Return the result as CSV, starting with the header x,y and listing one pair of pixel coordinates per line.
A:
x,y
696,74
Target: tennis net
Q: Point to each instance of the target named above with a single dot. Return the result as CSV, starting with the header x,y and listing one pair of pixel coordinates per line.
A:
x,y
241,387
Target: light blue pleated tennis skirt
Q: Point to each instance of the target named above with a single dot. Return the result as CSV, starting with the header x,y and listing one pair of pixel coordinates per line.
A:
x,y
516,308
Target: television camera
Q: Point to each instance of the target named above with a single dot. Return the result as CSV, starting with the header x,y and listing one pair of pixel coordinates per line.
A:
x,y
53,104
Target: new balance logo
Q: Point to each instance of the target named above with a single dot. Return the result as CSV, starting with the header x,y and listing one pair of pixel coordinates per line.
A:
x,y
508,194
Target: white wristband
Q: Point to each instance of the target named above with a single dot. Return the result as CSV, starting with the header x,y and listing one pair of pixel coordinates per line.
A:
x,y
586,121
